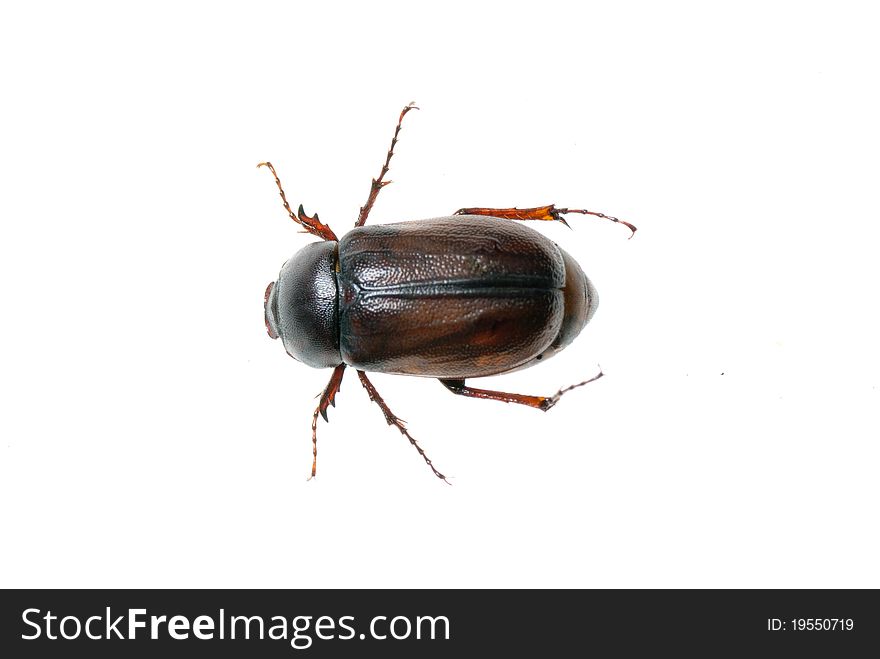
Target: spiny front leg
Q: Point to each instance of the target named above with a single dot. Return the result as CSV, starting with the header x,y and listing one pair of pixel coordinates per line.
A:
x,y
539,402
544,213
311,224
379,183
394,421
328,397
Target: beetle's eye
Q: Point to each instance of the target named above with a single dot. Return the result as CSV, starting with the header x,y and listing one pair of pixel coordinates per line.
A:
x,y
267,310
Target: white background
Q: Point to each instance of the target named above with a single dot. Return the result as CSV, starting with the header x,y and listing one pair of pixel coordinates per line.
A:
x,y
153,435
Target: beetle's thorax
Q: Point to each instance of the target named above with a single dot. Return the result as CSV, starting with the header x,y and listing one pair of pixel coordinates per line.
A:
x,y
301,307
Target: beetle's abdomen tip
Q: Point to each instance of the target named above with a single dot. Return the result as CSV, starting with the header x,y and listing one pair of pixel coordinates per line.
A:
x,y
581,301
592,299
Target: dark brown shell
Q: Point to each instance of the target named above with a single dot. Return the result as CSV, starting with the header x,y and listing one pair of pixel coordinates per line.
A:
x,y
451,297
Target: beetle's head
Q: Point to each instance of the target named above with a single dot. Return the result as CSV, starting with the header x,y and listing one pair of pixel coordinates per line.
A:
x,y
270,311
301,308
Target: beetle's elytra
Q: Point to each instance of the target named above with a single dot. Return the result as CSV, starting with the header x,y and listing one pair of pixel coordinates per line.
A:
x,y
452,298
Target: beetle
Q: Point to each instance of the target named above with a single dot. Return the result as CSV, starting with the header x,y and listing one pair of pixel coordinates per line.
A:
x,y
453,298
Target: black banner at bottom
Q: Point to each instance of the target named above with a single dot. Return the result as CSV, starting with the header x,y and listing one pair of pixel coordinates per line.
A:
x,y
317,623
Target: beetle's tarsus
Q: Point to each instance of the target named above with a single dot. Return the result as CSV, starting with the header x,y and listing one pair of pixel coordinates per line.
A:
x,y
328,396
410,106
378,183
582,211
392,420
314,444
550,402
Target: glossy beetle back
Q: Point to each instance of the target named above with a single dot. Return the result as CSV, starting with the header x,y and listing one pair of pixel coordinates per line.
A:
x,y
301,307
456,297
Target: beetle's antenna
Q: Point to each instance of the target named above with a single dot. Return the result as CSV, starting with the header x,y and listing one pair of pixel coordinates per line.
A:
x,y
394,421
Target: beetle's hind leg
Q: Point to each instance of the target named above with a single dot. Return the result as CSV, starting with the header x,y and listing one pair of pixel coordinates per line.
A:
x,y
311,224
539,402
394,421
328,397
544,213
379,183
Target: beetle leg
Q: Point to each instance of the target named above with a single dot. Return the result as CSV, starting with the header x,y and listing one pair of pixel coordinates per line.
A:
x,y
328,397
544,213
540,402
311,224
379,183
394,421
